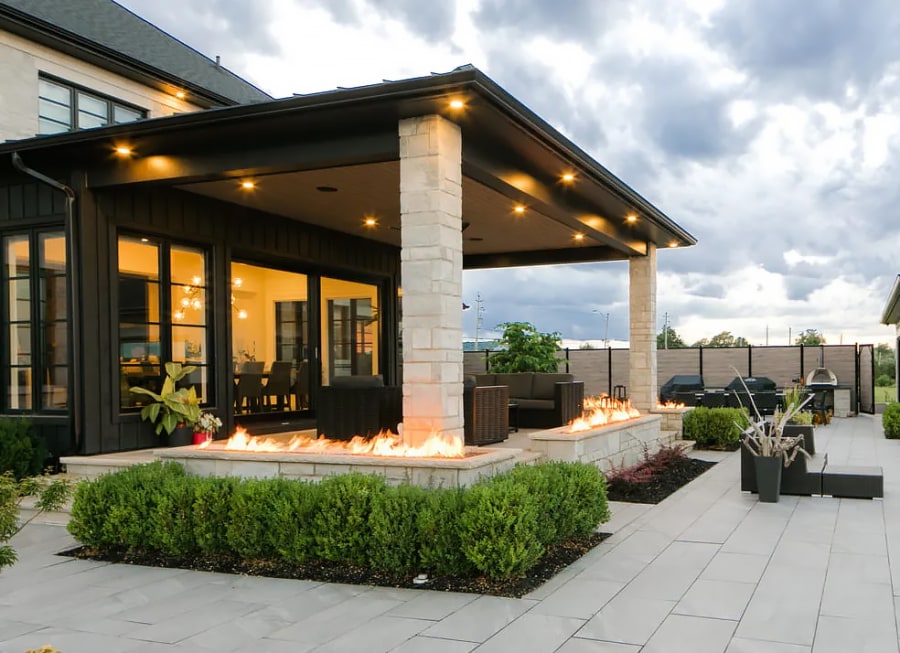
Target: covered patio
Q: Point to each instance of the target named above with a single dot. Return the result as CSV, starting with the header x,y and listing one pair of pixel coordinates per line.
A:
x,y
327,231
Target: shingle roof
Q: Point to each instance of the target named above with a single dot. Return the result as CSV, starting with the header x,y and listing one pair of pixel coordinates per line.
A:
x,y
114,27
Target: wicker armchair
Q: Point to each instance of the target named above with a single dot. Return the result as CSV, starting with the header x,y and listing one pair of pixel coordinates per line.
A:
x,y
486,411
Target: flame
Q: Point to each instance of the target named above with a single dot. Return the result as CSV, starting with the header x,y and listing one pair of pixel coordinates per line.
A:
x,y
602,410
669,405
385,444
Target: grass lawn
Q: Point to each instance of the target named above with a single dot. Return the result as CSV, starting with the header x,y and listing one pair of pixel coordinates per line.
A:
x,y
884,395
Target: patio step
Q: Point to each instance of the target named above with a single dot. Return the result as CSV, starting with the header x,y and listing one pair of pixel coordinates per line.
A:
x,y
686,446
90,467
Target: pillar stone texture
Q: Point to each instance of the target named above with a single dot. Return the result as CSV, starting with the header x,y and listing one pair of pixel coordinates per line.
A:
x,y
431,277
642,383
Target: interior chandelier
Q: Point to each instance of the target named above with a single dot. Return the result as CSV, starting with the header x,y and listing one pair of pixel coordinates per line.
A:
x,y
192,299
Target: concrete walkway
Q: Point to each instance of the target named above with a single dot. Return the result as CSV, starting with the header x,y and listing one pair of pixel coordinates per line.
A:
x,y
709,570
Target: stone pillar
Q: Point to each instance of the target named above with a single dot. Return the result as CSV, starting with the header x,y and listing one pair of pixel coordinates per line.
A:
x,y
431,277
642,383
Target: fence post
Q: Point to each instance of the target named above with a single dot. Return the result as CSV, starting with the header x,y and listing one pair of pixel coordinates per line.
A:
x,y
487,363
802,370
609,368
749,360
567,360
700,354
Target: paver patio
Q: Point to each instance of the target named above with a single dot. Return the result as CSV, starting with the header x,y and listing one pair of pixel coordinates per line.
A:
x,y
709,570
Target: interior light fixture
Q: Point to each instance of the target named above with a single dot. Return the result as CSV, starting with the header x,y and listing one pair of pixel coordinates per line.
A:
x,y
248,184
631,218
180,95
123,150
457,104
579,237
568,177
519,209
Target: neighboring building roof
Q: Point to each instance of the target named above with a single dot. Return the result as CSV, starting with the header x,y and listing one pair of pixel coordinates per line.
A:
x,y
105,29
892,308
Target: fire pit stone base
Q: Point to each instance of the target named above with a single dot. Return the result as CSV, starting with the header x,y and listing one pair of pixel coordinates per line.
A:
x,y
671,419
619,443
425,472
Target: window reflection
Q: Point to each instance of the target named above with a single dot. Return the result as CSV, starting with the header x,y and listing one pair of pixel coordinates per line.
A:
x,y
350,321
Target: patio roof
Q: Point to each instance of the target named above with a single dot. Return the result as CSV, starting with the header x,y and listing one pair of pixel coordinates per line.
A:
x,y
891,313
332,159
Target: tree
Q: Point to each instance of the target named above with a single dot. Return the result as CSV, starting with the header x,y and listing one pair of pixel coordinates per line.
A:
x,y
885,365
724,339
703,342
673,341
810,337
525,349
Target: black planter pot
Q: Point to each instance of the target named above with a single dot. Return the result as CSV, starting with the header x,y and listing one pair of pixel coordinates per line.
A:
x,y
807,431
181,436
768,477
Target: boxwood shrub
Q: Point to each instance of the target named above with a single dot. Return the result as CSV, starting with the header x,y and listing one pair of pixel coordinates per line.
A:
x,y
499,527
22,450
714,426
890,420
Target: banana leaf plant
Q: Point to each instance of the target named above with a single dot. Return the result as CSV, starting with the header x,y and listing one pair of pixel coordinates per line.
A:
x,y
173,406
766,438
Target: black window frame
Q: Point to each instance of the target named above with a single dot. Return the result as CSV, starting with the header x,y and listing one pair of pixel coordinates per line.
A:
x,y
74,90
166,312
40,360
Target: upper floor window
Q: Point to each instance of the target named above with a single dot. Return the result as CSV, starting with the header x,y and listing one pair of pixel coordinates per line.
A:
x,y
63,107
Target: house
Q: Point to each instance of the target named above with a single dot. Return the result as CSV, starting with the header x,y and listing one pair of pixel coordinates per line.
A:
x,y
295,240
891,315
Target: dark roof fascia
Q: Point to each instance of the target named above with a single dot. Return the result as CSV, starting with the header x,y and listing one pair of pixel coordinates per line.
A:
x,y
467,80
891,313
39,31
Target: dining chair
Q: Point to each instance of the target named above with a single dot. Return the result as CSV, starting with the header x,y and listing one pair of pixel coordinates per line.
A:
x,y
278,386
249,387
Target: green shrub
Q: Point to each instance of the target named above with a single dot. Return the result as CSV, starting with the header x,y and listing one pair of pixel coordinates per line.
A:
x,y
890,420
294,504
171,518
340,524
393,527
884,381
211,512
22,451
440,544
499,530
714,426
249,531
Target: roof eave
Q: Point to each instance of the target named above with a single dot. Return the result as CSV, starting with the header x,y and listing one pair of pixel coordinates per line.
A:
x,y
891,313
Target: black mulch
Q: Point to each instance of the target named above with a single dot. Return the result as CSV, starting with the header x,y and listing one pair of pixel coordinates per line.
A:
x,y
557,558
660,485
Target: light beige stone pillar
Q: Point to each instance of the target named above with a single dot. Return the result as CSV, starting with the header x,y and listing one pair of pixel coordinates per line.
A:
x,y
642,383
431,277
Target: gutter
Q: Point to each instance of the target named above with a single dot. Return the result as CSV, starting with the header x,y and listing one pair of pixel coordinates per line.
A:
x,y
71,292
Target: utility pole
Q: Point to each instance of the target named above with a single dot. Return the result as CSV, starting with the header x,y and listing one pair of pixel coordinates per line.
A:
x,y
606,333
666,329
789,336
767,335
479,313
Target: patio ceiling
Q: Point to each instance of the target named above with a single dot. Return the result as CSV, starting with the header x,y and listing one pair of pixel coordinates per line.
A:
x,y
347,140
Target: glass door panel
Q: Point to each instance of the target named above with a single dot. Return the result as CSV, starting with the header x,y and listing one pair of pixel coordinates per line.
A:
x,y
350,328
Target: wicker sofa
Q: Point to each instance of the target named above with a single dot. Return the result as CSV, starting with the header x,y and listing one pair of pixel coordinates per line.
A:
x,y
545,400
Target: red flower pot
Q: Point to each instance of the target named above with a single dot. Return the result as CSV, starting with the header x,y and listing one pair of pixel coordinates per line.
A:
x,y
200,437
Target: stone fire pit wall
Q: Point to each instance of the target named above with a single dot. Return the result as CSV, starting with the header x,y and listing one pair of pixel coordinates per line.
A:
x,y
671,419
620,443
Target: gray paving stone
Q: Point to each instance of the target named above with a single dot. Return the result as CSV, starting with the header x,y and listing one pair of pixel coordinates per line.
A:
x,y
840,634
192,622
683,634
333,622
577,645
627,620
719,599
536,633
737,567
432,606
580,599
382,633
422,644
741,645
481,619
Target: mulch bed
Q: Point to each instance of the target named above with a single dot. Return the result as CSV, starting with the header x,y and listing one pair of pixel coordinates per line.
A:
x,y
661,485
555,559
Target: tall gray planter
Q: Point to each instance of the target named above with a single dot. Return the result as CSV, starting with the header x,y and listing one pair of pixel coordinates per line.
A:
x,y
768,477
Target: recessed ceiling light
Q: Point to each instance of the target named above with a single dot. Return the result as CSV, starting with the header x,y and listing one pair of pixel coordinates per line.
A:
x,y
578,237
568,177
631,218
370,221
326,189
180,95
248,184
457,104
123,150
519,209
674,243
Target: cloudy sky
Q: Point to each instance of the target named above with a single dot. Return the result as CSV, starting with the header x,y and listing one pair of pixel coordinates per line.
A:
x,y
770,129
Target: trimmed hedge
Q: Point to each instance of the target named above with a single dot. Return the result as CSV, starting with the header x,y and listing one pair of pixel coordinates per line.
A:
x,y
714,426
22,451
890,420
499,527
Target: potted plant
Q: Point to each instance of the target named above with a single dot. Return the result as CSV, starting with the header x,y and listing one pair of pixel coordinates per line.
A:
x,y
175,410
206,428
771,448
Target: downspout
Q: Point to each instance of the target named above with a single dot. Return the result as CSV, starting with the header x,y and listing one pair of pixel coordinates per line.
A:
x,y
72,288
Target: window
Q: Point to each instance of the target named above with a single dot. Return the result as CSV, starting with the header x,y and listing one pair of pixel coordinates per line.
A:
x,y
351,325
36,322
163,315
63,107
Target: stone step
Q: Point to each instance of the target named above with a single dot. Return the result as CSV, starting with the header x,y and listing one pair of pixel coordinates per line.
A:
x,y
686,446
90,467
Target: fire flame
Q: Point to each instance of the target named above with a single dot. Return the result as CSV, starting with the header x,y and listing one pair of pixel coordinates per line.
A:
x,y
602,410
669,405
384,444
